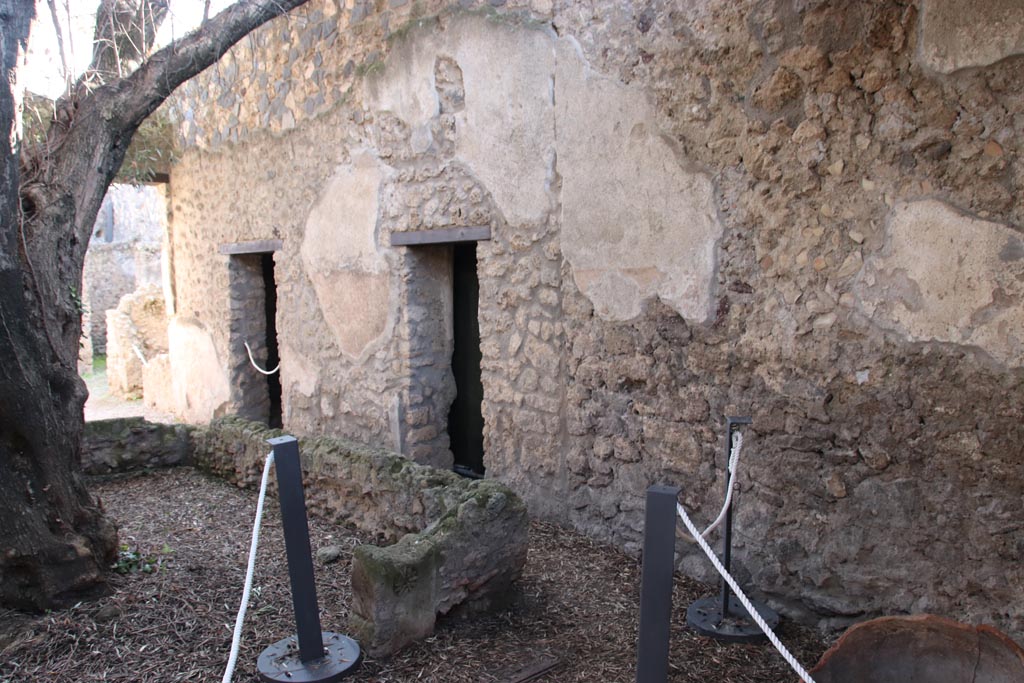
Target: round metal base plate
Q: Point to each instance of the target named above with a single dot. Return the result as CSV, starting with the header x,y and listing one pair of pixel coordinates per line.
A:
x,y
280,662
705,616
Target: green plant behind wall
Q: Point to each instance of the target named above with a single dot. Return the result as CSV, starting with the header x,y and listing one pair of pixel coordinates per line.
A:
x,y
152,151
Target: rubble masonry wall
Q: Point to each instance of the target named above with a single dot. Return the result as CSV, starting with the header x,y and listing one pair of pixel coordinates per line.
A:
x,y
801,211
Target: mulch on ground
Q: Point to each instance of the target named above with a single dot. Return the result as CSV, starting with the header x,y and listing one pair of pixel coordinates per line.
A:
x,y
185,540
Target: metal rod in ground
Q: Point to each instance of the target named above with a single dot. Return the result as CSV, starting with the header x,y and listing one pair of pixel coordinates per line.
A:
x,y
730,428
724,617
297,549
656,584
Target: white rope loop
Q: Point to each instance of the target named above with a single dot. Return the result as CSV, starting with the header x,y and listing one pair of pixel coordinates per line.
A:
x,y
236,639
253,361
733,465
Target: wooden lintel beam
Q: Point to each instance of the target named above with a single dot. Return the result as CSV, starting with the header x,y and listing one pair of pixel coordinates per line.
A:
x,y
414,238
253,247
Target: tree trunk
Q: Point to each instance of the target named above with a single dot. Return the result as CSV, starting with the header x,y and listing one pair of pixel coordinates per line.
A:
x,y
55,542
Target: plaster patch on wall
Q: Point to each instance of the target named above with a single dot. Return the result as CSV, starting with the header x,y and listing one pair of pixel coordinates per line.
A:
x,y
406,86
199,382
636,223
944,276
505,133
297,374
340,255
957,35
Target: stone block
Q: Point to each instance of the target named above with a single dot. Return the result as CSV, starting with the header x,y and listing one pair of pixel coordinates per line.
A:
x,y
393,594
456,543
468,559
955,36
136,330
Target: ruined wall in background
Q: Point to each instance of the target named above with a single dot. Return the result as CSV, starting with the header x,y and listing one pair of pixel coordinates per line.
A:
x,y
804,212
136,333
123,254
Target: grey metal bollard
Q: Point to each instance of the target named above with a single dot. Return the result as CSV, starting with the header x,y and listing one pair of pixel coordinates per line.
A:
x,y
311,661
656,584
297,549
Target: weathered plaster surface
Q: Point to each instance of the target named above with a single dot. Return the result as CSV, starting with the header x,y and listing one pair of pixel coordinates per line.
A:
x,y
957,35
635,222
944,276
200,379
506,133
505,129
297,372
340,254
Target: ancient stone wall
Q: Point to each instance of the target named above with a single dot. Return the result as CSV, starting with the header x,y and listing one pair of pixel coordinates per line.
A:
x,y
800,211
124,253
447,542
136,333
131,443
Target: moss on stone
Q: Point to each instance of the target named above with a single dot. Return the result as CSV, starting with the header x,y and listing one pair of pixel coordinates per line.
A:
x,y
402,566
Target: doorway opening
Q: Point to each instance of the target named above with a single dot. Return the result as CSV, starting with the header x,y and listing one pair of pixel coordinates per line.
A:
x,y
465,418
274,418
253,297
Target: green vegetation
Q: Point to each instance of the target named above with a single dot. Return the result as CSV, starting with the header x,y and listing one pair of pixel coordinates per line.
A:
x,y
99,367
152,151
131,561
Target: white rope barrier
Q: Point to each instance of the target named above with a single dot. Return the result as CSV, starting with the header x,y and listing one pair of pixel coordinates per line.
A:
x,y
138,352
733,466
253,361
236,639
699,539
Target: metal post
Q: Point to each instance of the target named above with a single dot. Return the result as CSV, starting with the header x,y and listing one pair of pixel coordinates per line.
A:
x,y
296,542
724,617
730,428
656,584
310,662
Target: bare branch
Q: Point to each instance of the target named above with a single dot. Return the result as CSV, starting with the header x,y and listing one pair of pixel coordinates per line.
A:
x,y
171,66
71,34
60,42
124,35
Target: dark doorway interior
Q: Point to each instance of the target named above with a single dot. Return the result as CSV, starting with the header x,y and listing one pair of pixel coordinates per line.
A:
x,y
273,354
465,419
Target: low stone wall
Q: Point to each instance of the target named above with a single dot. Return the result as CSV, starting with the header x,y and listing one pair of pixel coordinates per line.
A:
x,y
455,542
132,443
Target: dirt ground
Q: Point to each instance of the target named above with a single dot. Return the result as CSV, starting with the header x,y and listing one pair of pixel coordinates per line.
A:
x,y
102,405
185,540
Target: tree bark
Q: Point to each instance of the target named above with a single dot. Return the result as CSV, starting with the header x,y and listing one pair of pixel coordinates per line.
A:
x,y
55,542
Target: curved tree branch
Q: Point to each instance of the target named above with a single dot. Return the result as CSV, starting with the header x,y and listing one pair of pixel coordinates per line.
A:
x,y
103,120
171,66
